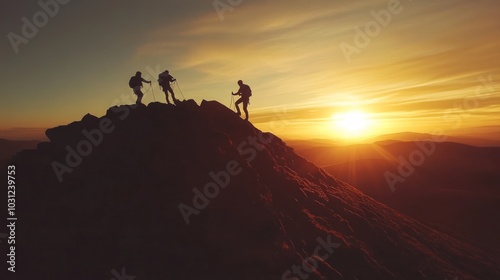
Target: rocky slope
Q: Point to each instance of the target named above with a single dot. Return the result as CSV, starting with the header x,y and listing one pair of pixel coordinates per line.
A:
x,y
194,192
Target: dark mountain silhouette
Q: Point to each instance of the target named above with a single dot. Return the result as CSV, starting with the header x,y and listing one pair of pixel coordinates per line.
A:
x,y
456,189
484,139
491,132
119,207
9,148
479,140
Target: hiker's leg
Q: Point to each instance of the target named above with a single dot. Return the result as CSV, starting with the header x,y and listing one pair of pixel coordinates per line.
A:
x,y
238,107
172,92
139,97
245,105
137,91
166,94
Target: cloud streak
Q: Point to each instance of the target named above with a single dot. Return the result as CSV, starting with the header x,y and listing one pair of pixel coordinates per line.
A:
x,y
427,60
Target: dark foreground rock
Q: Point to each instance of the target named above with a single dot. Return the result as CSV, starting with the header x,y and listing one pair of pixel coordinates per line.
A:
x,y
106,196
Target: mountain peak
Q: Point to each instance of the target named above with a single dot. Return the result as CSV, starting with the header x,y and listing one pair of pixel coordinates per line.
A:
x,y
195,192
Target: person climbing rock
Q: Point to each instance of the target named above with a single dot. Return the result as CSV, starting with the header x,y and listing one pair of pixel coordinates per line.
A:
x,y
245,92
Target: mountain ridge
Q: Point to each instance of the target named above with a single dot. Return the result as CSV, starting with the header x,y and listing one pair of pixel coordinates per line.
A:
x,y
120,206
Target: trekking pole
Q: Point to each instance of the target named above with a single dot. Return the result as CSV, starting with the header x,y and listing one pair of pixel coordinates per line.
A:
x,y
180,90
148,89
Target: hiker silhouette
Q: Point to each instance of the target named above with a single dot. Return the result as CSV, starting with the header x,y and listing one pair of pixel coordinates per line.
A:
x,y
245,92
136,84
164,80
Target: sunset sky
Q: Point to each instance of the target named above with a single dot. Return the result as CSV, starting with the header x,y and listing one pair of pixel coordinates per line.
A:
x,y
430,65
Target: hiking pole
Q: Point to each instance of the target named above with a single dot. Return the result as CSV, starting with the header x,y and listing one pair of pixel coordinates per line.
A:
x,y
147,90
180,90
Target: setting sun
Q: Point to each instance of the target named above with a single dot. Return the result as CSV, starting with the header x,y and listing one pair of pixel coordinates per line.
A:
x,y
351,123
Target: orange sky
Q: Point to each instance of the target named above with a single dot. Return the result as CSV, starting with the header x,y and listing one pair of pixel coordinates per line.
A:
x,y
424,65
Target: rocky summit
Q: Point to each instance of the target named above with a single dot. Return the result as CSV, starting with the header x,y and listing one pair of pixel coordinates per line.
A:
x,y
195,192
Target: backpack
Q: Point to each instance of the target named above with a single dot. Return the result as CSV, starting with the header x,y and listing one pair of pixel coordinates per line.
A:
x,y
247,92
132,83
162,80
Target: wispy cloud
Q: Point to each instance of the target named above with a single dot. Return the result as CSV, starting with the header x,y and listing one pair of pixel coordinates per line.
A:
x,y
427,60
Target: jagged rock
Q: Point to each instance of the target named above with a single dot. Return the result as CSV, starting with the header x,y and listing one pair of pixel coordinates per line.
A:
x,y
89,119
267,209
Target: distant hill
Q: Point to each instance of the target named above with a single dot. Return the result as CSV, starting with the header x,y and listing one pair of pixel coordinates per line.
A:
x,y
487,141
481,132
119,198
456,189
9,148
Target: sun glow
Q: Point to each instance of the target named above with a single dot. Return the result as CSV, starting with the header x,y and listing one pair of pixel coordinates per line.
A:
x,y
351,123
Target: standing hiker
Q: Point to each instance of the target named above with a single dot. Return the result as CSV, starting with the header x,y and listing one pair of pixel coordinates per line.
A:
x,y
245,92
164,80
136,84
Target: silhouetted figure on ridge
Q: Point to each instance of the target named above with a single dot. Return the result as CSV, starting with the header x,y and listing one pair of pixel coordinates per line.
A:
x,y
245,92
164,80
136,84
